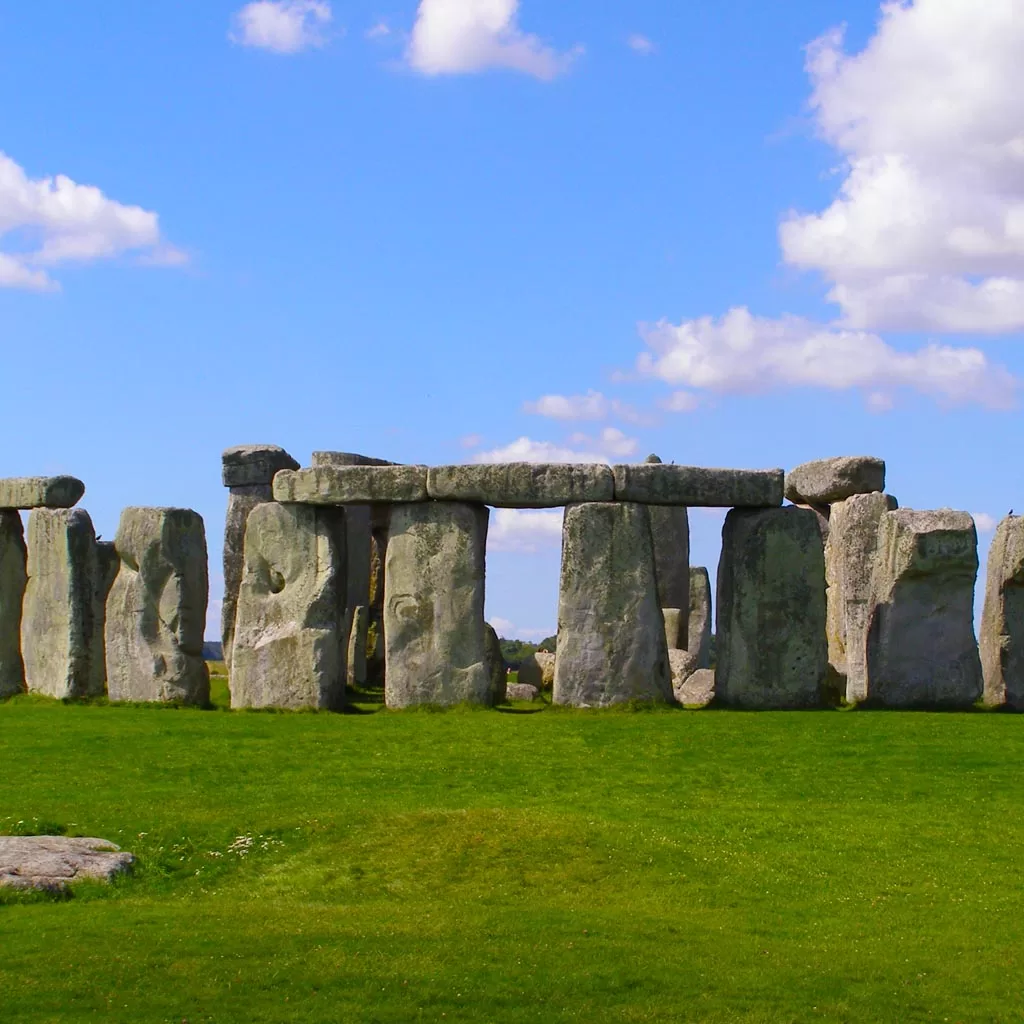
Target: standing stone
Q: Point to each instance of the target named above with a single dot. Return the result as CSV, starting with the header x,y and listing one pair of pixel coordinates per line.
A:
x,y
380,519
12,593
921,649
356,660
670,534
611,633
537,669
58,636
288,644
156,609
434,606
248,470
1002,620
850,554
673,628
772,651
495,665
28,492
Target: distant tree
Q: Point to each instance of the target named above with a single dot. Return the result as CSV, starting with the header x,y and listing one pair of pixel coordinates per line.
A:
x,y
513,651
549,645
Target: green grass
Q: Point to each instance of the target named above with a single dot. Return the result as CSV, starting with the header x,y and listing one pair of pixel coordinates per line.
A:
x,y
488,866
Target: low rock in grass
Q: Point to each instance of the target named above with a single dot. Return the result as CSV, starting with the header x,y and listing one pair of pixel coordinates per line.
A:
x,y
521,691
52,862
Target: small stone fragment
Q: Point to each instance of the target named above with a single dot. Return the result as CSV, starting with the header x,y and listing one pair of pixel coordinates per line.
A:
x,y
522,691
522,484
1002,620
692,689
352,485
12,593
696,486
825,481
248,465
53,862
28,492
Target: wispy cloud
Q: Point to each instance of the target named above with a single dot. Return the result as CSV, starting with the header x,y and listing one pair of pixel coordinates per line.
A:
x,y
640,44
282,26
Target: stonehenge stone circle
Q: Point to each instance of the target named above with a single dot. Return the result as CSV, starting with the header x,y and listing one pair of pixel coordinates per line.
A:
x,y
12,593
29,492
921,648
522,484
658,484
495,665
62,652
611,633
696,656
825,481
156,609
1002,620
248,470
850,554
288,645
771,643
436,644
352,485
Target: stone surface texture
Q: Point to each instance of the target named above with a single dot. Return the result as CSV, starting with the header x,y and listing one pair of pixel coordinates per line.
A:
x,y
698,638
241,501
670,534
695,486
288,644
850,553
436,644
921,649
825,481
156,609
1002,619
247,465
352,485
674,636
495,665
355,663
694,689
522,484
538,669
12,594
28,492
771,643
611,633
60,643
54,862
522,691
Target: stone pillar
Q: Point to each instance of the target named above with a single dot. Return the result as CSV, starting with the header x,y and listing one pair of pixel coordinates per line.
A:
x,y
156,608
288,647
496,665
62,653
771,647
248,470
356,660
434,637
697,655
12,593
670,533
611,633
1002,620
921,649
379,529
850,555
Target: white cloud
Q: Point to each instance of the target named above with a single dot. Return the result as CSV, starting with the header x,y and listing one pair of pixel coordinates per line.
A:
x,y
681,401
640,44
591,406
378,31
610,443
283,26
50,221
460,36
741,353
984,522
517,529
927,232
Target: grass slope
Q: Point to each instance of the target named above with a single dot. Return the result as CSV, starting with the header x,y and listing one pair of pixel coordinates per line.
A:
x,y
559,866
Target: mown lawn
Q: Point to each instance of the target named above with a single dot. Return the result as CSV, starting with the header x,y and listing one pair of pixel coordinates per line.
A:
x,y
486,866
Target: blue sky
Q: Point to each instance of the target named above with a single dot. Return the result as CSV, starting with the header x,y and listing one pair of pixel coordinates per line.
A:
x,y
457,230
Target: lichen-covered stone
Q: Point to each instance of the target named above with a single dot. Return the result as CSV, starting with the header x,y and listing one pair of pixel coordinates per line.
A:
x,y
156,609
670,534
611,633
288,645
346,459
247,465
522,484
1002,620
60,645
521,691
495,665
28,492
692,689
538,669
356,661
771,610
352,485
825,481
54,862
921,649
673,628
12,594
241,501
434,606
695,486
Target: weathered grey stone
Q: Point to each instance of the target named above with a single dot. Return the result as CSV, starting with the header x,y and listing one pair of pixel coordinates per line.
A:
x,y
611,633
53,862
693,689
352,485
12,593
156,609
346,459
28,492
59,641
434,606
288,648
522,484
538,669
772,651
673,628
356,660
521,691
1002,619
495,665
825,481
670,534
108,562
695,486
697,653
850,554
378,551
247,465
921,649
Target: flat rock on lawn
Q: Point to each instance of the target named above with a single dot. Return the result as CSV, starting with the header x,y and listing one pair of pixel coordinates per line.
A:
x,y
51,862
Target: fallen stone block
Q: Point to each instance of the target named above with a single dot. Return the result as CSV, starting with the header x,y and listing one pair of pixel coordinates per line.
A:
x,y
521,484
522,691
695,486
54,862
247,465
1002,620
352,485
692,689
825,481
28,492
12,593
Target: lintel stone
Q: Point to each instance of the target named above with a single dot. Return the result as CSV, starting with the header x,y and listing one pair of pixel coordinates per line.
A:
x,y
247,465
28,492
522,484
351,485
825,481
696,486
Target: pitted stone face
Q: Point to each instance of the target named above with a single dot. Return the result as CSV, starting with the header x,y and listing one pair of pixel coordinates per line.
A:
x,y
246,465
352,485
659,484
1002,621
30,492
522,484
825,481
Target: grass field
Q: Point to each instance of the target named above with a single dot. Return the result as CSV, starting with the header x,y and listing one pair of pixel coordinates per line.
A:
x,y
486,866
